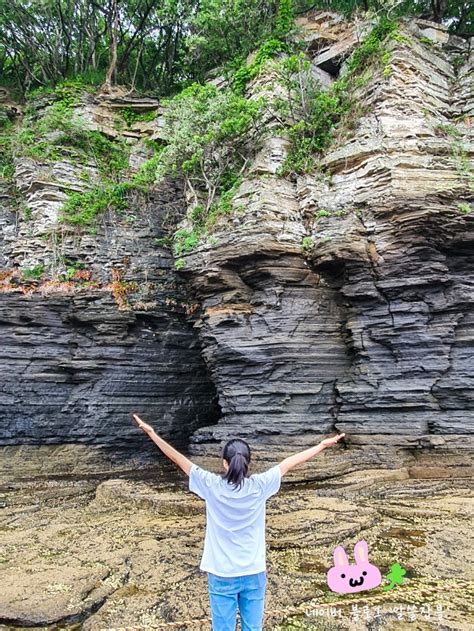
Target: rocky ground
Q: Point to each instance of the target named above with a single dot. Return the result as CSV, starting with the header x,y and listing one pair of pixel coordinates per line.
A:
x,y
103,554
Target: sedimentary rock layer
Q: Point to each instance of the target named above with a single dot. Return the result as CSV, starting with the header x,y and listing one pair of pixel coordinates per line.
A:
x,y
370,330
78,357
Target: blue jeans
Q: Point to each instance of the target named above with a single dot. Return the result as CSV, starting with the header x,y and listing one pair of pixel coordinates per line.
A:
x,y
245,592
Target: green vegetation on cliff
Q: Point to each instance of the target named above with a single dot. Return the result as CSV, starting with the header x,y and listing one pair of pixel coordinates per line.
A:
x,y
6,156
51,130
211,135
319,112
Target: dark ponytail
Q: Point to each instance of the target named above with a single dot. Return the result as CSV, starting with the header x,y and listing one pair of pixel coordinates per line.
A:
x,y
237,455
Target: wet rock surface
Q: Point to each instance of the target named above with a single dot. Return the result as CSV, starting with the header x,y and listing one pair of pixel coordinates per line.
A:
x,y
125,552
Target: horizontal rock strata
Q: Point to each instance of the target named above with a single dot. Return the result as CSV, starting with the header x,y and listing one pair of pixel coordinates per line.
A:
x,y
367,329
102,333
370,330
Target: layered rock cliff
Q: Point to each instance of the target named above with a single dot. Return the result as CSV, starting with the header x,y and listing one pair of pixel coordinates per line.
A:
x,y
342,301
94,320
371,330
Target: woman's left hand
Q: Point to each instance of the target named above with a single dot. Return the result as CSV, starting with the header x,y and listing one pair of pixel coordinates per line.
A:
x,y
142,425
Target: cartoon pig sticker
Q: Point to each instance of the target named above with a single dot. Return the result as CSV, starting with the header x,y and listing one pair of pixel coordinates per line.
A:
x,y
348,579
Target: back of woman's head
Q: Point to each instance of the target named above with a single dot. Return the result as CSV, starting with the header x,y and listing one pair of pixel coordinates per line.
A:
x,y
237,455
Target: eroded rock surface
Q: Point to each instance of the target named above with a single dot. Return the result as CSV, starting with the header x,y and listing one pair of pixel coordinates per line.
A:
x,y
367,330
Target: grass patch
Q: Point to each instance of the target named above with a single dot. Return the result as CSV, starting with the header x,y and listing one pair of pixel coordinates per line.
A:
x,y
84,208
307,243
33,273
6,154
131,116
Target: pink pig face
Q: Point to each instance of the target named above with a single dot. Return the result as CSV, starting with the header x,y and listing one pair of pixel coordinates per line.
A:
x,y
347,579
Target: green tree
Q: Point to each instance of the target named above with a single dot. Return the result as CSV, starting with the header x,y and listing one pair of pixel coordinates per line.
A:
x,y
163,45
211,135
228,31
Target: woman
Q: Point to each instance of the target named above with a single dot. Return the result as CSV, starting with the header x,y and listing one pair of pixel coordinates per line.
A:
x,y
234,545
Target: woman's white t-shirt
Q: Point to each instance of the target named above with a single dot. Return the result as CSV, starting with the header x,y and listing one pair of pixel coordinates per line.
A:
x,y
235,530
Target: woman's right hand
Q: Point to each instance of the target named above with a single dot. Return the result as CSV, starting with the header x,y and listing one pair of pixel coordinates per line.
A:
x,y
329,442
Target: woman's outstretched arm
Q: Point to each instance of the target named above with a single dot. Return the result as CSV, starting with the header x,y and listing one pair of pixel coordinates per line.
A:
x,y
169,451
290,462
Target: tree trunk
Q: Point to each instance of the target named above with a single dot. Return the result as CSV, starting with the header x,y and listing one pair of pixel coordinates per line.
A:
x,y
113,30
439,7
